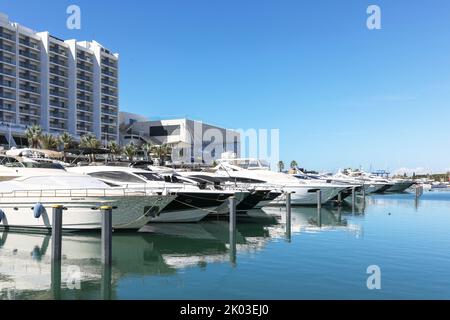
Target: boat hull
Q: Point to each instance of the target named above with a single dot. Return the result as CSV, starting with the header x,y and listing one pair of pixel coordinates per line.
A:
x,y
81,213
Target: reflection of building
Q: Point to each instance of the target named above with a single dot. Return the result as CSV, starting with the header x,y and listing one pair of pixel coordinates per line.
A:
x,y
60,85
185,136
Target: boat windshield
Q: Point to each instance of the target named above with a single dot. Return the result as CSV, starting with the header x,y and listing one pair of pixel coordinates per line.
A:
x,y
249,163
150,176
116,176
41,165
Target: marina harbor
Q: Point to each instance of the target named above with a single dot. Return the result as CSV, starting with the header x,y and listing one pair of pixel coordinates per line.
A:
x,y
217,153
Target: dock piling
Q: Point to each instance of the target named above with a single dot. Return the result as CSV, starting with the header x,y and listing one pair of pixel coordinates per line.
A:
x,y
57,217
339,199
106,234
353,198
232,229
288,216
319,199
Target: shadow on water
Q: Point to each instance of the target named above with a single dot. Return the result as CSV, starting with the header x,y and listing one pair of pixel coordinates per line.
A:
x,y
28,272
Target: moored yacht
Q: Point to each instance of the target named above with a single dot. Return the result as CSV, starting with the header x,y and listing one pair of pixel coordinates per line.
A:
x,y
29,190
191,204
257,173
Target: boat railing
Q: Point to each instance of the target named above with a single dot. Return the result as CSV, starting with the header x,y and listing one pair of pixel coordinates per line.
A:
x,y
86,192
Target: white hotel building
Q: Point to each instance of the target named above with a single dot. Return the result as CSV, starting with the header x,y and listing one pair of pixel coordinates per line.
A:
x,y
60,85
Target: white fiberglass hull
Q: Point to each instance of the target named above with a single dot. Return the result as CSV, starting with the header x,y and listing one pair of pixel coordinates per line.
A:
x,y
307,194
187,215
82,213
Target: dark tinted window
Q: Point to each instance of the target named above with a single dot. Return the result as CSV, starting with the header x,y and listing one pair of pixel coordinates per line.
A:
x,y
150,176
116,176
161,131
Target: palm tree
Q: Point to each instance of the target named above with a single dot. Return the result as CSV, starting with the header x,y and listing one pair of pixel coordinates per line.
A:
x,y
130,151
147,148
115,149
161,152
33,135
48,141
66,140
294,164
280,166
90,141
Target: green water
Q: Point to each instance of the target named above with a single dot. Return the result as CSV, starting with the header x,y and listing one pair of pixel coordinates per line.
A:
x,y
325,257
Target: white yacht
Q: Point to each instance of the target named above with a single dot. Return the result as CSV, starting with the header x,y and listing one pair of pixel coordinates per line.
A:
x,y
257,172
191,204
29,190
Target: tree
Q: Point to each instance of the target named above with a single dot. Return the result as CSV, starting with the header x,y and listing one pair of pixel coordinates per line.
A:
x,y
280,166
66,140
115,149
130,151
294,164
162,152
89,141
147,148
33,135
48,141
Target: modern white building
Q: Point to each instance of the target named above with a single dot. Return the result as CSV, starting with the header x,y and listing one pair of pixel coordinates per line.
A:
x,y
192,141
60,85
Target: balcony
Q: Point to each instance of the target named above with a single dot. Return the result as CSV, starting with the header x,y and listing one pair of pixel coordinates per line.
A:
x,y
29,77
84,98
85,88
84,118
84,128
84,68
109,92
109,131
58,72
84,108
29,54
58,104
8,84
109,73
58,93
59,62
109,112
29,44
7,48
58,83
7,60
29,100
85,57
28,121
29,112
109,83
7,72
109,102
29,89
28,66
110,64
7,95
7,108
58,115
7,36
83,77
61,52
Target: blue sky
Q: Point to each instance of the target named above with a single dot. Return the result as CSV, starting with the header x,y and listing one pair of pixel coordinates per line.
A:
x,y
340,94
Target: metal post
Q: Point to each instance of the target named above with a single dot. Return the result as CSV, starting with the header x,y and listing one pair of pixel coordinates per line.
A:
x,y
106,282
106,234
288,216
353,198
56,279
339,198
57,211
363,200
232,227
319,199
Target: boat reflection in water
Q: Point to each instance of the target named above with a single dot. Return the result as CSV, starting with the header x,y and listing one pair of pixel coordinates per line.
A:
x,y
27,271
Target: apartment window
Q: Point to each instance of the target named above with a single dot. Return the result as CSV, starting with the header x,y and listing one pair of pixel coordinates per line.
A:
x,y
162,131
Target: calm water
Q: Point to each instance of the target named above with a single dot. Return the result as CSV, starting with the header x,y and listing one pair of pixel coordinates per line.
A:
x,y
325,258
